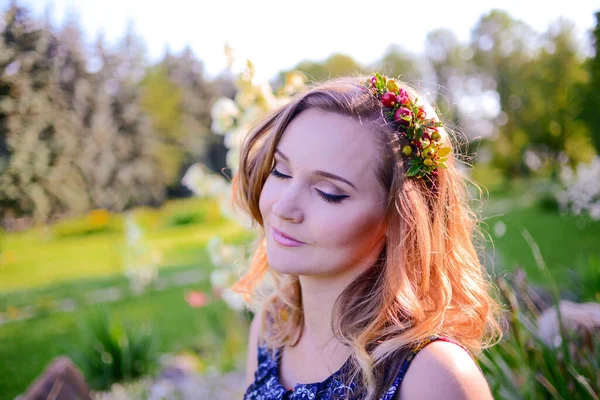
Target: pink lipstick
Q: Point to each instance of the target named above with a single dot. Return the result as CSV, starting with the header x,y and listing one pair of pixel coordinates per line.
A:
x,y
285,240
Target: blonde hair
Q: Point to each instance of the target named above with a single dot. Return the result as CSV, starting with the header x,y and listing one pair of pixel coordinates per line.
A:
x,y
428,279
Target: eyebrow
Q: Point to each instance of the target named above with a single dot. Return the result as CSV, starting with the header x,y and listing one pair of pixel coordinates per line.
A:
x,y
317,172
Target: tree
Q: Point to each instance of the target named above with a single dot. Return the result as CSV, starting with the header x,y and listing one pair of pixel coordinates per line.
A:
x,y
503,57
449,60
558,78
591,94
178,98
38,147
118,154
397,63
336,65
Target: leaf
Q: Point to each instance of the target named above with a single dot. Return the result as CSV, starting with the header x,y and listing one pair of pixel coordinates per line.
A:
x,y
412,171
442,166
443,152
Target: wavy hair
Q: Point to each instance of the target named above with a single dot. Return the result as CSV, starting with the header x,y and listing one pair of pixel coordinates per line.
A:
x,y
428,279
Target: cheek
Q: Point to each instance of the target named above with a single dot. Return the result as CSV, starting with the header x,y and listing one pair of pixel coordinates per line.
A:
x,y
267,198
346,228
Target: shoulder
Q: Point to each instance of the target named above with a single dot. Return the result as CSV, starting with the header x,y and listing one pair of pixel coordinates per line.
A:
x,y
252,358
444,370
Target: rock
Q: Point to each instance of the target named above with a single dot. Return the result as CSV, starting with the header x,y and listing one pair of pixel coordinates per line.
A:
x,y
576,317
61,380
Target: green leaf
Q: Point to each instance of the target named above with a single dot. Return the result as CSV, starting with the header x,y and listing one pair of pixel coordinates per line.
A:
x,y
412,171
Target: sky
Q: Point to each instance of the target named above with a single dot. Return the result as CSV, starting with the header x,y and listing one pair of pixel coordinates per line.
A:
x,y
276,35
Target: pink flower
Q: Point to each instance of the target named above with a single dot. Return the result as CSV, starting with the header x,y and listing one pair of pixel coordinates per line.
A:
x,y
196,299
402,96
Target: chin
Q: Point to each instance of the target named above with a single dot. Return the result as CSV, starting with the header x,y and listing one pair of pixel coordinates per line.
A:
x,y
283,263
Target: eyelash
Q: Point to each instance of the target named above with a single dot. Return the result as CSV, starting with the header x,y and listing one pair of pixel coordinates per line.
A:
x,y
330,198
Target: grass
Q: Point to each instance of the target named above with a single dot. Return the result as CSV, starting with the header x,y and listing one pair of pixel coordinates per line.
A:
x,y
41,257
566,242
27,346
67,260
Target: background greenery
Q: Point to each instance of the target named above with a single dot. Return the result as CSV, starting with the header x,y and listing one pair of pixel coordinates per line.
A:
x,y
93,136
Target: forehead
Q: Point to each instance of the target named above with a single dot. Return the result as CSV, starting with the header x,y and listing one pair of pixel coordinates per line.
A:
x,y
333,143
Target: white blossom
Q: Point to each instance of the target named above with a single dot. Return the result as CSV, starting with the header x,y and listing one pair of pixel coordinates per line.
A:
x,y
223,113
233,119
233,299
581,193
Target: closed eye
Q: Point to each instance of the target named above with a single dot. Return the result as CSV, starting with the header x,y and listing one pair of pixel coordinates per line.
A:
x,y
279,175
330,198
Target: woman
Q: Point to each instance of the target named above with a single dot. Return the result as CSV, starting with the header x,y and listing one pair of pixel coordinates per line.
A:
x,y
366,263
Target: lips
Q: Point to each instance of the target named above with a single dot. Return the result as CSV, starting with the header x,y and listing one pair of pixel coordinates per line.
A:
x,y
285,239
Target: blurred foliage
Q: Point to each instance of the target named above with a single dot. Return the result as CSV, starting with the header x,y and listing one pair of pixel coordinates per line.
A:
x,y
96,221
37,131
396,62
524,366
114,351
585,279
27,346
186,218
591,101
334,66
177,98
61,249
561,238
99,127
71,140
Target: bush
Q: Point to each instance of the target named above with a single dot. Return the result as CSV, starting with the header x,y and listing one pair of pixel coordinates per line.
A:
x,y
585,279
115,352
548,202
96,221
523,366
186,218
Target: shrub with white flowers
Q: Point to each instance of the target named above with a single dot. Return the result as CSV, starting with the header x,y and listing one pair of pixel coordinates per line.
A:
x,y
581,193
233,120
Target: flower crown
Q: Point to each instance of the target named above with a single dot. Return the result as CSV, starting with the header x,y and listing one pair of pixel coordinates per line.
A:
x,y
426,152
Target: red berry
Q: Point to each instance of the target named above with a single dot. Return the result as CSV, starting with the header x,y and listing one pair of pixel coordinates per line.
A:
x,y
388,99
402,112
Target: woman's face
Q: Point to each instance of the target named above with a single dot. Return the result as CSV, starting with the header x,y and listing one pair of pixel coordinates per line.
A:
x,y
324,193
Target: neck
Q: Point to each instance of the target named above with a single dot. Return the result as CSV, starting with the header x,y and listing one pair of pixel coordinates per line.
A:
x,y
319,294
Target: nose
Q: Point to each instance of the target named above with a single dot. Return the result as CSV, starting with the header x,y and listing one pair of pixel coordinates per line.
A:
x,y
288,205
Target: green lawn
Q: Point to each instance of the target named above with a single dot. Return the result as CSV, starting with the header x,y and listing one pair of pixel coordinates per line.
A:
x,y
67,260
564,242
215,332
48,255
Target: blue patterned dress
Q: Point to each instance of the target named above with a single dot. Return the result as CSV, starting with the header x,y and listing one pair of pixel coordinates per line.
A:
x,y
266,385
